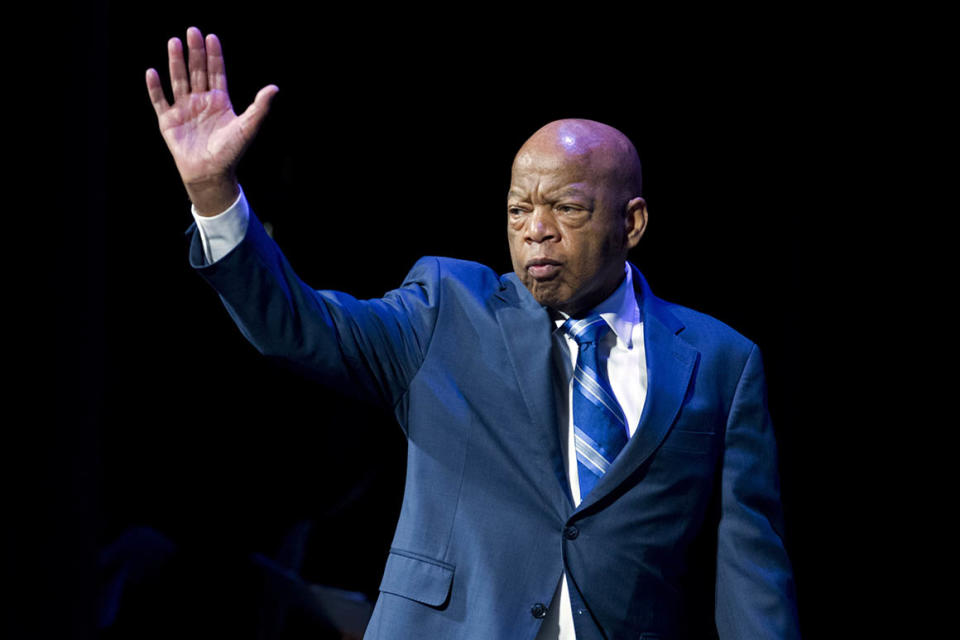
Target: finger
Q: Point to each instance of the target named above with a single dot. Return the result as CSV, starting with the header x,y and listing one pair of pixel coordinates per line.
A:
x,y
197,60
178,71
253,117
155,90
216,72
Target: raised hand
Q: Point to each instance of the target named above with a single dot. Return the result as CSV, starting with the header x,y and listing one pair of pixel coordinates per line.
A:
x,y
204,135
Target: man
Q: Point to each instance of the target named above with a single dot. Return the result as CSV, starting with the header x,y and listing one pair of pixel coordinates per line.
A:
x,y
585,460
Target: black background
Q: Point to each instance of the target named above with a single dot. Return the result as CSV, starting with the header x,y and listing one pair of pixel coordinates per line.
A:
x,y
391,138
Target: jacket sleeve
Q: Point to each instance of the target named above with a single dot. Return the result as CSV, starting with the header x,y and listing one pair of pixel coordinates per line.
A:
x,y
369,349
755,595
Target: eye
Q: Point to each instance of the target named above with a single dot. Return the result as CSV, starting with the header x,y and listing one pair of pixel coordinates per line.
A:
x,y
514,210
567,208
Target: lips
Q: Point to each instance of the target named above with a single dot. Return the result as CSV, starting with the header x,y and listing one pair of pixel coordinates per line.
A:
x,y
543,268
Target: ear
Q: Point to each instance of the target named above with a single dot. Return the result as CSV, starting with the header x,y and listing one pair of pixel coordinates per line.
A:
x,y
636,221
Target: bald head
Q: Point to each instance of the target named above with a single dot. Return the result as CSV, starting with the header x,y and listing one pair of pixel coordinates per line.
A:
x,y
606,152
573,212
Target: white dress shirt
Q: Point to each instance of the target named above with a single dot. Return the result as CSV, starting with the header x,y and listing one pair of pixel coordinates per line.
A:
x,y
219,234
626,370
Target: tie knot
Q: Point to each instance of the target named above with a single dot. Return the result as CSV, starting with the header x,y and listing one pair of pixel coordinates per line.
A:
x,y
586,330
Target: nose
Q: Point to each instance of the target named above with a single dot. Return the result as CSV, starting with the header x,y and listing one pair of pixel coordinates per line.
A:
x,y
542,226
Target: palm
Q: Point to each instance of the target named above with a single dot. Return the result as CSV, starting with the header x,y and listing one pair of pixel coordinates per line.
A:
x,y
205,136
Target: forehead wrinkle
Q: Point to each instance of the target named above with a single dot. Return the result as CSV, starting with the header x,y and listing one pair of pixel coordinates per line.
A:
x,y
528,185
570,190
549,184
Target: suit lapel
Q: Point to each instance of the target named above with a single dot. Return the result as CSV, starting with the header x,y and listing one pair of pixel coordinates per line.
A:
x,y
670,365
527,330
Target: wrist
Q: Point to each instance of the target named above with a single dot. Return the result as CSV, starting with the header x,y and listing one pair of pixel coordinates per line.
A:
x,y
212,196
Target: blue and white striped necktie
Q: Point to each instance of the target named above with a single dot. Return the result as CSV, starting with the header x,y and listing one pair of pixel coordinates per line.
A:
x,y
599,427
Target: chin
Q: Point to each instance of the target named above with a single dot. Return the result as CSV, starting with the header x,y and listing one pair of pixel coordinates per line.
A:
x,y
550,297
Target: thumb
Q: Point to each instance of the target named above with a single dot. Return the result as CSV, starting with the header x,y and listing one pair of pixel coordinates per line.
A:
x,y
253,116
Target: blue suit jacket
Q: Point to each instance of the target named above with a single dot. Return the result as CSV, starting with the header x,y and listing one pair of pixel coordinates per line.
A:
x,y
684,529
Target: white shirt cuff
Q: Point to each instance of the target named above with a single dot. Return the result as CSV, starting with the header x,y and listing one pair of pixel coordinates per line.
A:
x,y
219,234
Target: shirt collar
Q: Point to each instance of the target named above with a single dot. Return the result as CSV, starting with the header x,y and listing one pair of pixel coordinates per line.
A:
x,y
620,310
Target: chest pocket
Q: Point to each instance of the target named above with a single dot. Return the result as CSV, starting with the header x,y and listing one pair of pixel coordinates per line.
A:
x,y
417,577
688,441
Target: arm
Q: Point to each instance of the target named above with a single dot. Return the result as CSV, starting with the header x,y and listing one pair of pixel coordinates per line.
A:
x,y
370,349
755,595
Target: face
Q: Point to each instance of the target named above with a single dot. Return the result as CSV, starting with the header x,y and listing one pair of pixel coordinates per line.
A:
x,y
569,225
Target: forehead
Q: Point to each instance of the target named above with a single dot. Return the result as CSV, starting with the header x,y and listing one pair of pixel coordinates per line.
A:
x,y
549,170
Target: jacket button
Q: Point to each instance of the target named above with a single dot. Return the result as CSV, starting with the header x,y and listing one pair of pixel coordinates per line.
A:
x,y
571,532
539,610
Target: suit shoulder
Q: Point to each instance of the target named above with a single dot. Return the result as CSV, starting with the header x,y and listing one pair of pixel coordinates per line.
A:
x,y
704,329
699,329
455,273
